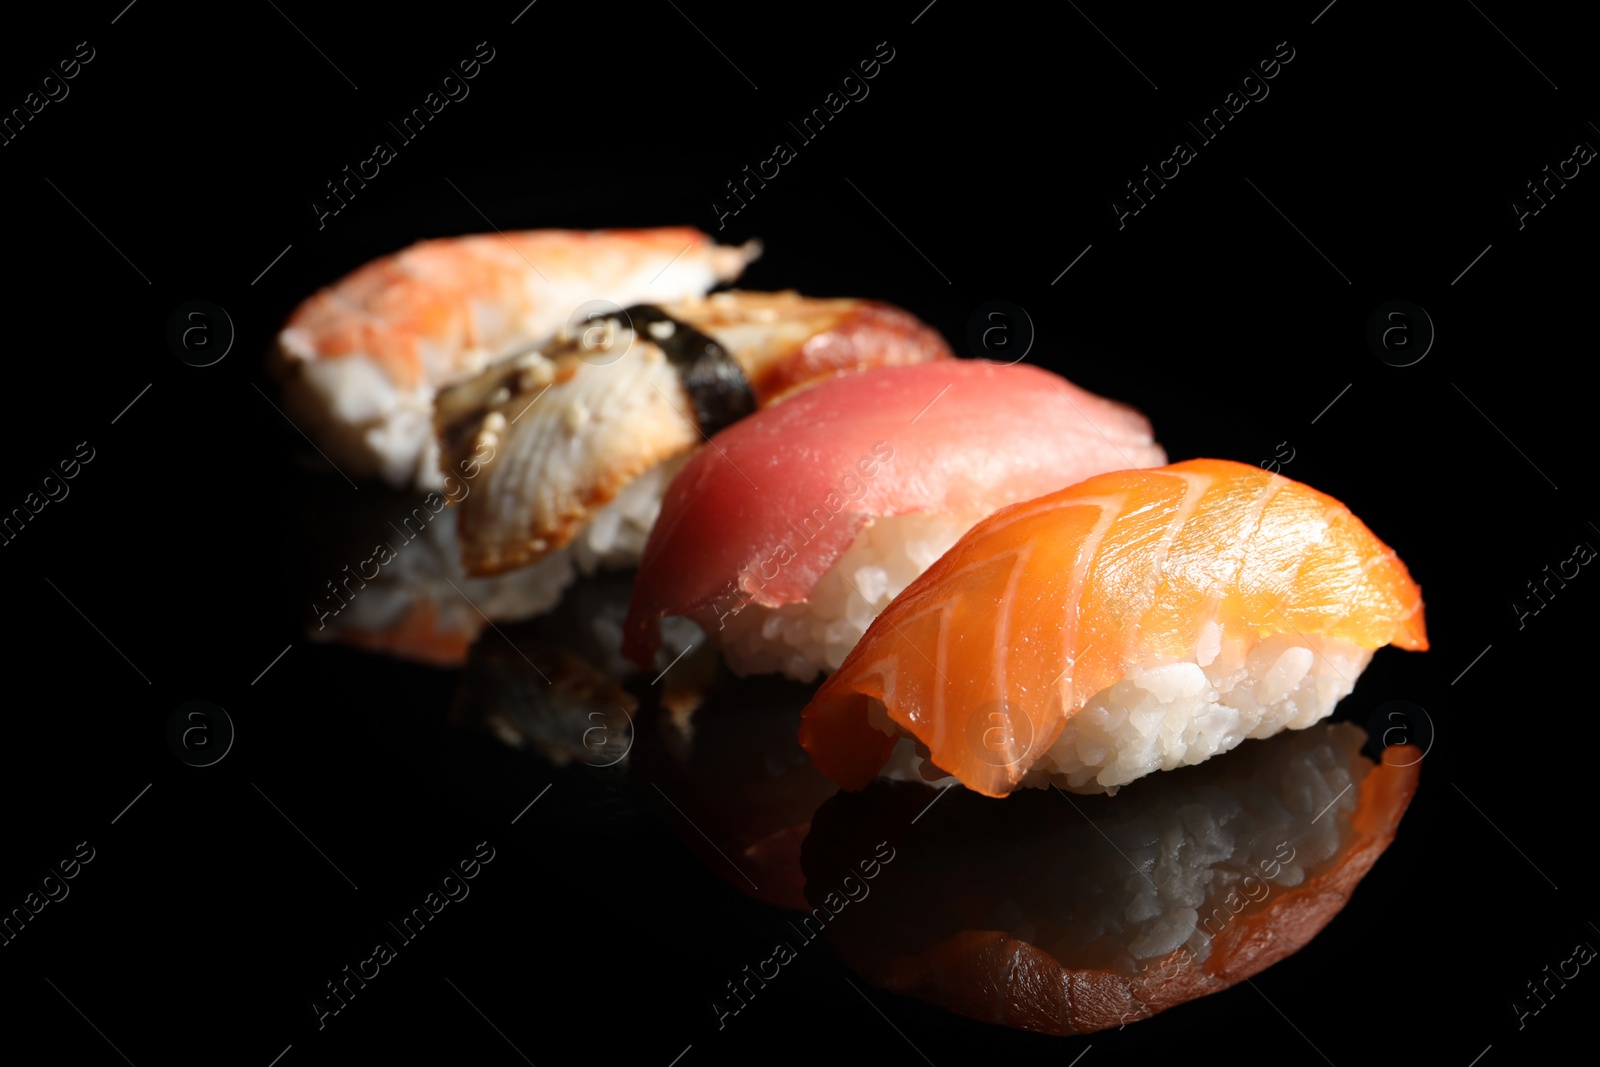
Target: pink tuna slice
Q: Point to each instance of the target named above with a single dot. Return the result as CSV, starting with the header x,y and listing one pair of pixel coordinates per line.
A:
x,y
789,488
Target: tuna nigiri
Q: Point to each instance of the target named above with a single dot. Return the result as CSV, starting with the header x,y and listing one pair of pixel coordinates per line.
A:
x,y
798,524
1137,621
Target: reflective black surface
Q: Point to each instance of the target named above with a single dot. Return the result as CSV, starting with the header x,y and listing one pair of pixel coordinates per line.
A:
x,y
988,157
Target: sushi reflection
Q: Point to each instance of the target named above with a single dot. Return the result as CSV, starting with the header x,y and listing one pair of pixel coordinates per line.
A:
x,y
1045,911
1066,914
556,683
743,789
718,756
384,574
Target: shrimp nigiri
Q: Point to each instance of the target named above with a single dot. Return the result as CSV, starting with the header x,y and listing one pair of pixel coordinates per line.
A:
x,y
1137,621
361,359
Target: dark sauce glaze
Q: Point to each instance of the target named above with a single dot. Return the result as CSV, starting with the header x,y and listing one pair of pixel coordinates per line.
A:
x,y
714,380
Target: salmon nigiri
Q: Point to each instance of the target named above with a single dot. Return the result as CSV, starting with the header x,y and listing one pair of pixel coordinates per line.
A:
x,y
1137,621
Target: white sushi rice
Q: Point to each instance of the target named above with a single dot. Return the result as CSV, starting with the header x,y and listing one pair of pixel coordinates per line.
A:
x,y
1162,716
804,639
616,533
372,427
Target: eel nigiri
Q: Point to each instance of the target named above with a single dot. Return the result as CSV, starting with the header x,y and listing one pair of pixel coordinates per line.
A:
x,y
361,358
1137,621
785,536
581,424
558,458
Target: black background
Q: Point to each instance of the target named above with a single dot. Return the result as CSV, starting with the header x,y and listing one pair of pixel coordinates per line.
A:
x,y
983,162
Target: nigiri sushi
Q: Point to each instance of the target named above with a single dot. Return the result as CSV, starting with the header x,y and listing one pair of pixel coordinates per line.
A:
x,y
1134,622
797,525
564,432
558,458
361,358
